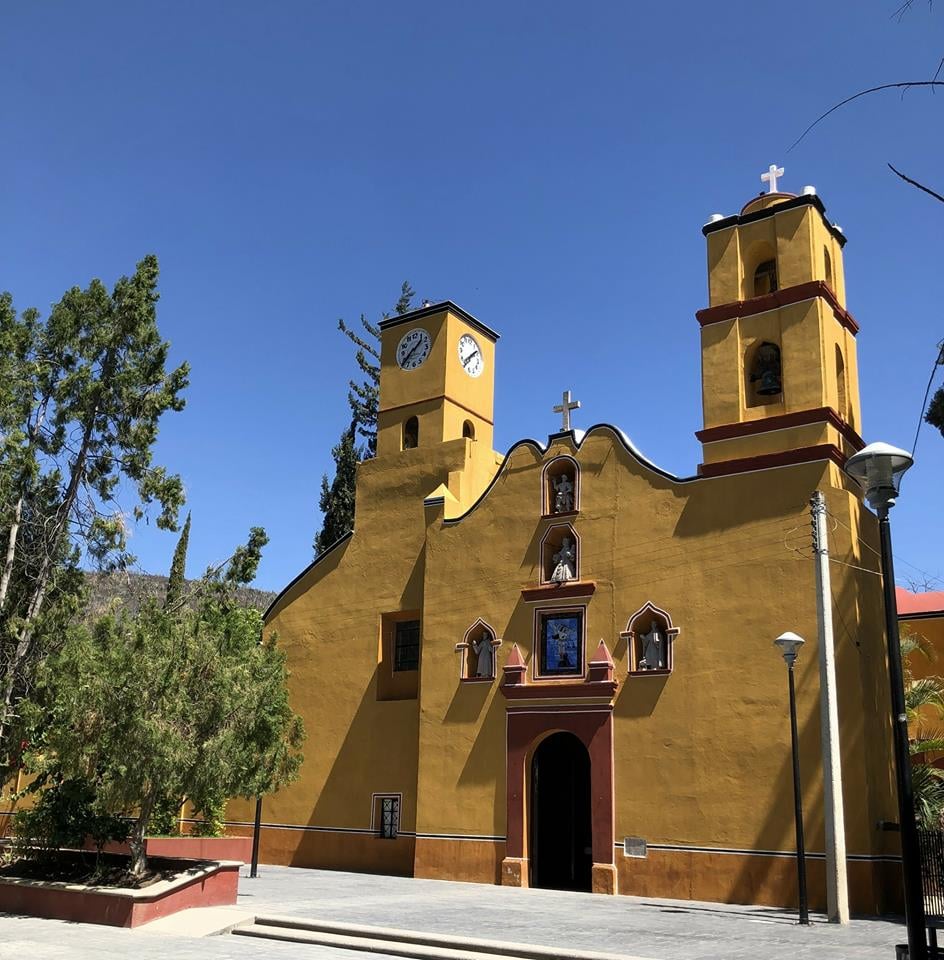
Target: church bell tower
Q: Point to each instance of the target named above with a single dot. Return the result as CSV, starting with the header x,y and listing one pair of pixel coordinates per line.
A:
x,y
437,377
779,371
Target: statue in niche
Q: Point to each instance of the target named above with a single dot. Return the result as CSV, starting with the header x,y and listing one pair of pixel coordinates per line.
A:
x,y
653,649
563,494
484,655
565,562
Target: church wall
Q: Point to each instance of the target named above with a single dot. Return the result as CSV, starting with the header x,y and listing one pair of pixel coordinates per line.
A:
x,y
330,627
712,553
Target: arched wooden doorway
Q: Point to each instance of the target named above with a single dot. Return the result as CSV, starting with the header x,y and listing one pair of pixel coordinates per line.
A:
x,y
561,842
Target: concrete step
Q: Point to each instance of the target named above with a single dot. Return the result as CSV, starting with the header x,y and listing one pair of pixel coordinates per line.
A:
x,y
408,943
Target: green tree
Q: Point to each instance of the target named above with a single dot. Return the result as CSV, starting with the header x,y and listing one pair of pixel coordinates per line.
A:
x,y
170,702
337,496
178,566
922,696
82,395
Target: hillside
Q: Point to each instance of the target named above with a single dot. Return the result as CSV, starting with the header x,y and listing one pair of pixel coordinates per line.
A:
x,y
133,589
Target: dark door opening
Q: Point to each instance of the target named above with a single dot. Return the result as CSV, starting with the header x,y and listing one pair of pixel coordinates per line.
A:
x,y
561,853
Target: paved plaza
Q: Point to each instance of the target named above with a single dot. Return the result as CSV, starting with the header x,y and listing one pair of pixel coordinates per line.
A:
x,y
633,926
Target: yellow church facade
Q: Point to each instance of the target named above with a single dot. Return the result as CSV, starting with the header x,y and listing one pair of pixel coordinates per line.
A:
x,y
556,667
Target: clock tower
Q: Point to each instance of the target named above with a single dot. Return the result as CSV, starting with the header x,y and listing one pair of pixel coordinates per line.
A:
x,y
437,379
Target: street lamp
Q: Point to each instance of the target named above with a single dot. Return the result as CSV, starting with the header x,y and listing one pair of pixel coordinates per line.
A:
x,y
878,468
790,644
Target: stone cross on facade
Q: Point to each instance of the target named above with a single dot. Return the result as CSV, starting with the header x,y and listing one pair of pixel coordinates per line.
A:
x,y
771,176
564,409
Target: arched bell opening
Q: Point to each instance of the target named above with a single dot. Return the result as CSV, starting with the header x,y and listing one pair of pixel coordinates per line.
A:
x,y
560,848
411,433
841,395
468,430
764,375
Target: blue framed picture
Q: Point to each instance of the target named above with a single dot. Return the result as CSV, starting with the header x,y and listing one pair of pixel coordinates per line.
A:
x,y
561,644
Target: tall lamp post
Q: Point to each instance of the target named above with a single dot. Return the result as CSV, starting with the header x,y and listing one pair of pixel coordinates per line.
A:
x,y
790,644
878,468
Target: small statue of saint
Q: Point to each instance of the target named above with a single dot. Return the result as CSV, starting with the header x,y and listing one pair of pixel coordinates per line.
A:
x,y
653,649
484,655
565,562
563,494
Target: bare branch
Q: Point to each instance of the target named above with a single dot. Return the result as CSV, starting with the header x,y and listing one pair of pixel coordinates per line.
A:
x,y
884,86
915,183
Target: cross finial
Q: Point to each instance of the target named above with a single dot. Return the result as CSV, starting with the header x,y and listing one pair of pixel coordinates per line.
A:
x,y
771,176
564,409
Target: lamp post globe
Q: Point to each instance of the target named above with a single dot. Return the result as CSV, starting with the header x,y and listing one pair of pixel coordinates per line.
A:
x,y
878,469
789,644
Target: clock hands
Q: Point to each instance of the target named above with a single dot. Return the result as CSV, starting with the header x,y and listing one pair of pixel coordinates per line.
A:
x,y
411,351
466,360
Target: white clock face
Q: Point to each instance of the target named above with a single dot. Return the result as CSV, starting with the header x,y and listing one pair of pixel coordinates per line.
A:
x,y
413,349
470,355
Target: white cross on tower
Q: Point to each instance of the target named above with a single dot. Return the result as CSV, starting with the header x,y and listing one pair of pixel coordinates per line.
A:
x,y
564,409
771,176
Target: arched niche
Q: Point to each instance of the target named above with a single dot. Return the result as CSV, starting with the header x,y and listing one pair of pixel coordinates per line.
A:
x,y
760,271
560,554
411,433
764,370
468,430
650,641
478,651
560,487
841,392
828,267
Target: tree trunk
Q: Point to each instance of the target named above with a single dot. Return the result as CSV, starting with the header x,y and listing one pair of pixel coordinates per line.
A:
x,y
41,583
137,842
11,552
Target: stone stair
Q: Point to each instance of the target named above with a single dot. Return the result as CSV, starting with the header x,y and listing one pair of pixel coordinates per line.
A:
x,y
406,943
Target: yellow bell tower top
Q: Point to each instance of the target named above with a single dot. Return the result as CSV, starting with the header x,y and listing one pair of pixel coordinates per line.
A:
x,y
437,379
779,370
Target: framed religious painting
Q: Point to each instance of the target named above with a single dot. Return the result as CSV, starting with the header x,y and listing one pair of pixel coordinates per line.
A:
x,y
560,643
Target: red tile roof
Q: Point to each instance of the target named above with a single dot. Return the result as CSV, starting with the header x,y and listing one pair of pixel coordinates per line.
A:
x,y
910,604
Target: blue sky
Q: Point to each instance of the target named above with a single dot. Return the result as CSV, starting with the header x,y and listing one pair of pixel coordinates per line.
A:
x,y
547,166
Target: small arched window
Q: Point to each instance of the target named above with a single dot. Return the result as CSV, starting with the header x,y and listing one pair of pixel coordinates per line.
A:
x,y
766,379
411,433
765,278
843,410
468,430
828,267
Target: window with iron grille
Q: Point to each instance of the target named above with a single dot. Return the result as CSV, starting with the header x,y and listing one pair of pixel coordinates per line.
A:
x,y
389,817
406,645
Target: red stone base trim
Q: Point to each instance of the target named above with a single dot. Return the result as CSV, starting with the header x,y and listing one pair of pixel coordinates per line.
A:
x,y
604,878
755,878
514,872
472,861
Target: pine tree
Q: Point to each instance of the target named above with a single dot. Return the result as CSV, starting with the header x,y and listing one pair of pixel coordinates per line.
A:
x,y
178,566
364,396
337,497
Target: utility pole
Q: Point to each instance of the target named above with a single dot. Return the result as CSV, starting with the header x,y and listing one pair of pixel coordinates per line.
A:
x,y
837,889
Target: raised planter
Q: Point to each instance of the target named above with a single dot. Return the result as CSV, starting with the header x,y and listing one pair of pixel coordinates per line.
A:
x,y
209,884
189,848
